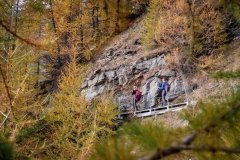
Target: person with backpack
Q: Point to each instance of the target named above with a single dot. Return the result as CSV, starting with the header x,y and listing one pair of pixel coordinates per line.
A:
x,y
137,95
163,87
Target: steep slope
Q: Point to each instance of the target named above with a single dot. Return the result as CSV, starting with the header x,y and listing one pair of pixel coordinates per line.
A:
x,y
125,62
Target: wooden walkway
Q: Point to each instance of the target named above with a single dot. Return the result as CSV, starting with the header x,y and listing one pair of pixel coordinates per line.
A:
x,y
154,111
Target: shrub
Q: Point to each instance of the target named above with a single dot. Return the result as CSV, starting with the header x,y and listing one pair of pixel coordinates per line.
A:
x,y
6,149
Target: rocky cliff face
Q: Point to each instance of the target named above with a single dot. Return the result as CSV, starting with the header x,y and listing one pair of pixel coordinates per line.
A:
x,y
126,63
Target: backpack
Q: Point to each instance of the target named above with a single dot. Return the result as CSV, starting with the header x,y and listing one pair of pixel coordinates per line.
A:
x,y
138,95
159,92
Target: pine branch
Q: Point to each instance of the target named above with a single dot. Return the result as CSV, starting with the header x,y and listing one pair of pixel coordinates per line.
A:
x,y
188,140
176,149
173,149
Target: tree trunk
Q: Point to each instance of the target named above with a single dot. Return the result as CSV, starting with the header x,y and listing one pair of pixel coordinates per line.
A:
x,y
16,23
54,26
192,27
117,29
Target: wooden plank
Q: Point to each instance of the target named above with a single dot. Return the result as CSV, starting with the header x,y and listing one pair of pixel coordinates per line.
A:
x,y
157,112
127,113
151,114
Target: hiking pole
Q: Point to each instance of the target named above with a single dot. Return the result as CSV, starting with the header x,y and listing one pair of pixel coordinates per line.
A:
x,y
167,101
185,90
119,105
134,106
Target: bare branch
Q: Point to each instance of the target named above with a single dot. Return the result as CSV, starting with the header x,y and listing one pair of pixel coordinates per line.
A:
x,y
17,36
212,149
6,87
8,95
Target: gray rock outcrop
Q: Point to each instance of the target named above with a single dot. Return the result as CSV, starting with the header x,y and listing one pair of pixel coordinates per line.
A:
x,y
126,63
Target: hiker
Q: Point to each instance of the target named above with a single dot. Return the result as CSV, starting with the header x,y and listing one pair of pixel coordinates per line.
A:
x,y
164,86
137,94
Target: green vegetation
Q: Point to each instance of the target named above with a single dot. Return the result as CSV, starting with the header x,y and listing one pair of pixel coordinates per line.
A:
x,y
6,149
232,6
29,132
226,74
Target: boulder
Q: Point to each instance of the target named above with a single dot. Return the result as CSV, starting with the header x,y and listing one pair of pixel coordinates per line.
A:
x,y
166,73
93,91
101,79
110,75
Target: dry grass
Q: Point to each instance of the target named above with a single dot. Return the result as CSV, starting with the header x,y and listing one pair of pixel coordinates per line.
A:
x,y
207,62
231,58
169,119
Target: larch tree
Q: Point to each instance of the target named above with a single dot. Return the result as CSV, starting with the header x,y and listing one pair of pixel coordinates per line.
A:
x,y
186,28
73,28
59,124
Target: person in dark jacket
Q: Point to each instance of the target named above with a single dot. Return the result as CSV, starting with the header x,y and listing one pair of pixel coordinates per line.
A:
x,y
163,89
137,94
